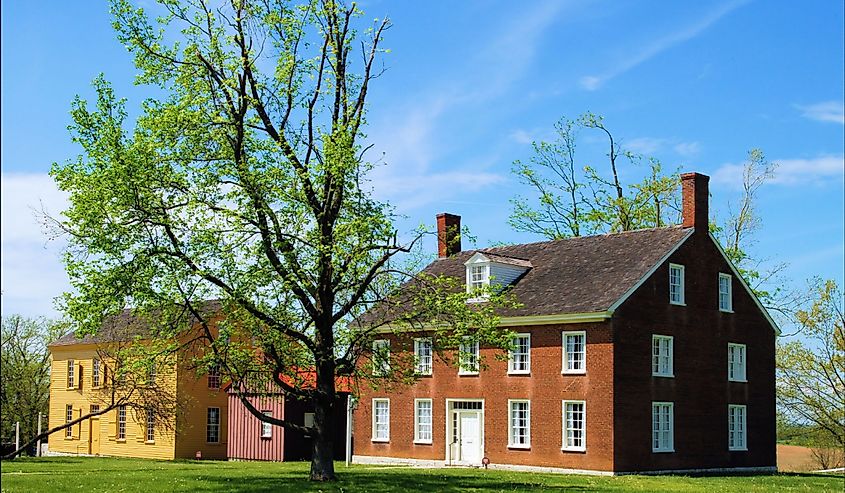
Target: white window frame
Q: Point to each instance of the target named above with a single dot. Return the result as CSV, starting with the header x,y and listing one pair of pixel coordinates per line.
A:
x,y
151,425
565,427
729,307
214,377
381,367
373,436
212,425
669,444
308,420
152,374
96,377
738,352
71,374
658,357
418,436
512,370
468,357
267,428
68,419
682,287
565,358
121,422
737,431
511,443
423,364
483,281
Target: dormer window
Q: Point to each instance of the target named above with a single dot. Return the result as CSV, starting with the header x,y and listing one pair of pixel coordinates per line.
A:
x,y
479,277
489,269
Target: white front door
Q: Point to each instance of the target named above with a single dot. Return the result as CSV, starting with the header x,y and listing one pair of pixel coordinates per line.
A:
x,y
470,437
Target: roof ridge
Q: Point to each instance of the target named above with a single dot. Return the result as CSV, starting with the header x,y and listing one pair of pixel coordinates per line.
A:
x,y
572,238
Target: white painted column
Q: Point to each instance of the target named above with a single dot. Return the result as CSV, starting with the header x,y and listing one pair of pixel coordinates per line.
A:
x,y
38,443
348,429
17,435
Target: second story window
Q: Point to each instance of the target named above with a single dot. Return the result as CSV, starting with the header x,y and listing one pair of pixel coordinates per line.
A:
x,y
725,297
575,352
214,377
736,362
661,356
381,357
95,373
468,357
151,374
676,284
519,359
422,356
71,373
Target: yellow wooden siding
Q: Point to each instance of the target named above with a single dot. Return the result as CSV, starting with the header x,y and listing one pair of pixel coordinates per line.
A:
x,y
196,398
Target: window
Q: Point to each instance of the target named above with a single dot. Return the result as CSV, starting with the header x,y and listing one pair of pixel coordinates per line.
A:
x,y
151,374
422,421
519,424
574,352
676,284
151,425
68,419
267,428
662,433
725,298
212,428
121,422
479,277
95,408
519,360
71,370
423,356
308,420
381,357
661,356
574,429
381,420
736,428
468,357
736,362
214,377
95,373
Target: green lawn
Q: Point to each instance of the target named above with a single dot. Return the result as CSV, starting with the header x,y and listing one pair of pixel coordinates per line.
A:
x,y
58,474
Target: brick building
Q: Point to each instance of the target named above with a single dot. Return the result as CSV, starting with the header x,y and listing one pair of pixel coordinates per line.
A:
x,y
638,351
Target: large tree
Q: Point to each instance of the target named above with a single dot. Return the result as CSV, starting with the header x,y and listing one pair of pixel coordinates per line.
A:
x,y
245,183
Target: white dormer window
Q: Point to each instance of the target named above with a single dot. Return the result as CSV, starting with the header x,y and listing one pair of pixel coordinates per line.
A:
x,y
489,269
479,277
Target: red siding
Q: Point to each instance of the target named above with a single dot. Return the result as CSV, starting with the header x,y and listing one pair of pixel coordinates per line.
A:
x,y
244,438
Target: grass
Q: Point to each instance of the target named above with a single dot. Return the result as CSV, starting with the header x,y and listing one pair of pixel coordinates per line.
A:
x,y
59,474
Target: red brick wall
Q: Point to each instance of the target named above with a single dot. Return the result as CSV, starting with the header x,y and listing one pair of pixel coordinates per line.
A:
x,y
546,387
700,388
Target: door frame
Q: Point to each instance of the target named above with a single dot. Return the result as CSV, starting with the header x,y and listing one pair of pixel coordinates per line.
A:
x,y
93,427
450,416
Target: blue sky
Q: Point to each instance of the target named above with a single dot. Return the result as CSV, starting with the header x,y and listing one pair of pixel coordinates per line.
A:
x,y
470,84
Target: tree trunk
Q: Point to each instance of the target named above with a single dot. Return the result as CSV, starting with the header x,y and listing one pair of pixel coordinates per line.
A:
x,y
322,457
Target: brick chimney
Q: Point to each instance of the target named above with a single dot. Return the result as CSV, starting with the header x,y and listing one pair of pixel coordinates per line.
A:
x,y
696,200
448,234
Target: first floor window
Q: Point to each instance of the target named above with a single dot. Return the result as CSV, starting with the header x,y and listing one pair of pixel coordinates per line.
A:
x,y
574,352
71,370
214,377
662,424
736,362
519,360
422,420
308,420
736,428
151,425
381,357
661,356
267,428
212,429
574,429
121,422
381,420
468,357
676,284
68,419
95,373
422,356
519,424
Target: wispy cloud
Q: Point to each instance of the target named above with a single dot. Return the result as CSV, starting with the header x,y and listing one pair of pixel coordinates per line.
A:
x,y
654,145
825,111
687,149
595,81
790,172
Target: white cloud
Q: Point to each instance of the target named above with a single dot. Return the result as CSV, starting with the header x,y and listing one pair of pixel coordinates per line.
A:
x,y
815,171
825,111
409,192
687,149
520,136
32,273
644,145
595,81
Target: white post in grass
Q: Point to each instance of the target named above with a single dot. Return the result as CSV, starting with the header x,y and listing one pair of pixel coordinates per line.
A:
x,y
17,435
348,429
38,443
